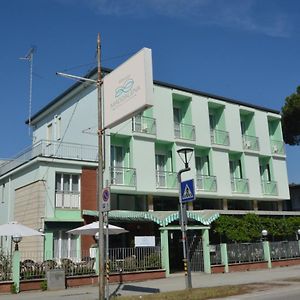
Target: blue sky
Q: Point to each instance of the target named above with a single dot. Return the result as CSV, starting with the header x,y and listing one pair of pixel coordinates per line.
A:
x,y
242,49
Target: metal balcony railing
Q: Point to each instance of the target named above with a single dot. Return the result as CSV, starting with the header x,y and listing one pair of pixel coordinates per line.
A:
x,y
240,185
250,142
277,147
145,125
219,137
206,183
123,176
269,187
51,149
184,131
166,180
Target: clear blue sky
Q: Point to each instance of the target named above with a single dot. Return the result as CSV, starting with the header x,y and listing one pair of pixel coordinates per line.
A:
x,y
243,49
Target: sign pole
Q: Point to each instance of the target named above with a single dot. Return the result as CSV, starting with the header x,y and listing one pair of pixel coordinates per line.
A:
x,y
183,224
100,178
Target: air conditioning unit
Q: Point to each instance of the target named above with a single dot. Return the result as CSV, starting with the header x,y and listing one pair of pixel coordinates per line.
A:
x,y
145,128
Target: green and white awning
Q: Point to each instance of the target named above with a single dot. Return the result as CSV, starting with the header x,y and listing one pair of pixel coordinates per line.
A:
x,y
162,218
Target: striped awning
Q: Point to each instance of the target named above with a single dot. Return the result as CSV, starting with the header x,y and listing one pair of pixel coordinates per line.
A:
x,y
162,218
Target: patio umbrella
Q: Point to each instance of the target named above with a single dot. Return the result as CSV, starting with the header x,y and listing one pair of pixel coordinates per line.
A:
x,y
93,228
17,229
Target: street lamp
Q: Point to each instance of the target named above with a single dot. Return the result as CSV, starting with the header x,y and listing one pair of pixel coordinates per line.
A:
x,y
264,234
17,239
185,155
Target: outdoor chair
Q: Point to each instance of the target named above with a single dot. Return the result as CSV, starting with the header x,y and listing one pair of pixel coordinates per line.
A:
x,y
69,266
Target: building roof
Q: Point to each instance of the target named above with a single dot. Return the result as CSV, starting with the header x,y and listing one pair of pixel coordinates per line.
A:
x,y
156,82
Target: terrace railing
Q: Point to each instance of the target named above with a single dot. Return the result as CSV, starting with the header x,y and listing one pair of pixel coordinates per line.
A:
x,y
145,125
269,187
51,149
277,147
250,142
123,176
166,180
206,183
184,131
219,137
240,185
5,266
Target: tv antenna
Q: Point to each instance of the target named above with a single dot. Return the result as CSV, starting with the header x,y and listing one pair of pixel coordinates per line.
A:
x,y
29,57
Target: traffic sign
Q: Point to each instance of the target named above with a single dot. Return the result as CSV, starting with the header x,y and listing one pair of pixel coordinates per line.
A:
x,y
187,191
105,205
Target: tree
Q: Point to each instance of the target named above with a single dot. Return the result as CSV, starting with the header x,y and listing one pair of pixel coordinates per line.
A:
x,y
291,119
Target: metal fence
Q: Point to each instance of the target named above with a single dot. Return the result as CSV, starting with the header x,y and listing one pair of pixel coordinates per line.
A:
x,y
245,252
215,255
134,259
284,250
5,266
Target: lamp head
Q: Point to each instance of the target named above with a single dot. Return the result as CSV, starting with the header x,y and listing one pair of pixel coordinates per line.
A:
x,y
97,236
17,238
185,155
264,232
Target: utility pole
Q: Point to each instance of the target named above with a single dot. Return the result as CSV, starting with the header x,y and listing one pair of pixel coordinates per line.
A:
x,y
100,178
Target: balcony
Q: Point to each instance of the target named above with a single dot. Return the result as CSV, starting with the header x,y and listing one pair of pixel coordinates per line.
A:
x,y
67,200
184,131
269,188
206,183
123,176
54,150
250,142
219,137
240,185
277,147
166,180
144,125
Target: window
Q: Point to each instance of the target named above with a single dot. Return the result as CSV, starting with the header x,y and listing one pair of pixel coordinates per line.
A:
x,y
57,127
2,193
67,189
117,156
202,165
235,168
64,245
160,162
49,132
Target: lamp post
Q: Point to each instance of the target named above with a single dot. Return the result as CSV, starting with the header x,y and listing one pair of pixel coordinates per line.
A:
x,y
17,239
185,155
264,234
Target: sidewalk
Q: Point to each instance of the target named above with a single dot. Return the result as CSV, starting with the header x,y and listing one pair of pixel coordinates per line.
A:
x,y
173,283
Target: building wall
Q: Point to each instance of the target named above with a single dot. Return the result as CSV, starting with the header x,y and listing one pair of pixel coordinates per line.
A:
x,y
29,211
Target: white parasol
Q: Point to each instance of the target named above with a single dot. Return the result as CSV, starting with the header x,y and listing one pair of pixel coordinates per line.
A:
x,y
93,228
17,229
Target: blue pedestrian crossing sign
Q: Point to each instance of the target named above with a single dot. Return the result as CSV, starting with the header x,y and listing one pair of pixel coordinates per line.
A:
x,y
187,191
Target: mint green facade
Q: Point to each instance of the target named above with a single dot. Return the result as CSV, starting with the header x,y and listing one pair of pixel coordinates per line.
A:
x,y
238,155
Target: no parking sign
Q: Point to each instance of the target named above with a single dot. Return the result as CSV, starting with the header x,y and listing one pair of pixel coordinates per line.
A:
x,y
105,205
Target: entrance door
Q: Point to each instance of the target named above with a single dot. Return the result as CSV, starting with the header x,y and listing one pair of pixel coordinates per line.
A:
x,y
175,251
195,251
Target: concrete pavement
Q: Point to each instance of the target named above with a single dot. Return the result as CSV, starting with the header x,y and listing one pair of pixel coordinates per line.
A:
x,y
173,283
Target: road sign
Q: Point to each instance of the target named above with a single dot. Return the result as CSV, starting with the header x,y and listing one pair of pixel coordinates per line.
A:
x,y
105,205
187,191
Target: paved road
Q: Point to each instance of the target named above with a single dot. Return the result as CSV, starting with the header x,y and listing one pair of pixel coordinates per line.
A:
x,y
176,282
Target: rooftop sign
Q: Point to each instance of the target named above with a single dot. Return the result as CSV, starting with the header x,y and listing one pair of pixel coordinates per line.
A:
x,y
128,89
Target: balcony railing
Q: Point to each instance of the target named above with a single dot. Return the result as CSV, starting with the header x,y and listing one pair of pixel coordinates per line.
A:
x,y
67,200
123,176
250,142
240,185
184,131
206,183
166,180
145,125
219,137
269,187
54,150
277,147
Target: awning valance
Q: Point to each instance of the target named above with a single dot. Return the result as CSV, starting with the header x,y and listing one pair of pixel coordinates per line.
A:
x,y
162,218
